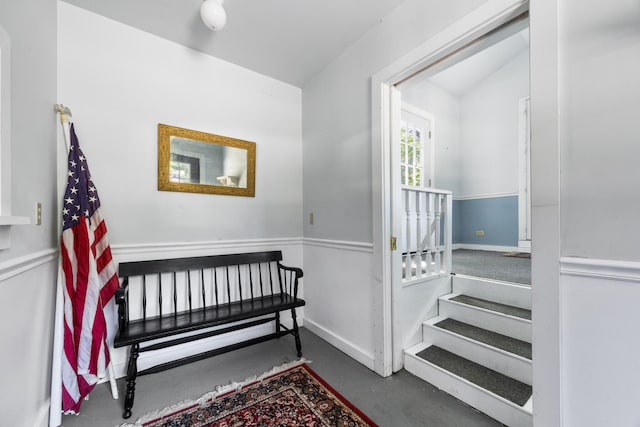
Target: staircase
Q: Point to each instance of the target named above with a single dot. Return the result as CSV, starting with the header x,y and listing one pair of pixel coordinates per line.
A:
x,y
478,348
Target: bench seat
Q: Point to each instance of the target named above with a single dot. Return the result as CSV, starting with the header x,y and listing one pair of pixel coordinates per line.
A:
x,y
156,327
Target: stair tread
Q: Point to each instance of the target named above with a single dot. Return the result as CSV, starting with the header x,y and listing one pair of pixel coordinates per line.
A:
x,y
510,310
488,379
494,339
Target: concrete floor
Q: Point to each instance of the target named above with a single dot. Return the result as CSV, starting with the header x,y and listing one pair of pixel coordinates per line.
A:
x,y
399,400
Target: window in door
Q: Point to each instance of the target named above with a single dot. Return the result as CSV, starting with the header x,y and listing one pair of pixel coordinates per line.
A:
x,y
416,147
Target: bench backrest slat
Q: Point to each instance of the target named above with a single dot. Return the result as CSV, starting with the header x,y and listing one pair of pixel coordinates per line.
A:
x,y
232,277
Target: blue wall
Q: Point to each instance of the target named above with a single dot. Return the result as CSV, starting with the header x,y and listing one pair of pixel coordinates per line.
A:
x,y
497,216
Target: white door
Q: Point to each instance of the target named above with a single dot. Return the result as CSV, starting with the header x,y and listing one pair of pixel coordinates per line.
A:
x,y
415,281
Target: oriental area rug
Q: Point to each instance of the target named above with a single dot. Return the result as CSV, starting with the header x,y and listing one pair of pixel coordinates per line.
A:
x,y
290,395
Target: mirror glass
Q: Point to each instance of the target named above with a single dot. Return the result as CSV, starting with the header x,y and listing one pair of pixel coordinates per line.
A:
x,y
192,161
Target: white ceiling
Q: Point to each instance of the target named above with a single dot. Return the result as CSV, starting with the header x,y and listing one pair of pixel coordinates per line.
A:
x,y
289,40
458,79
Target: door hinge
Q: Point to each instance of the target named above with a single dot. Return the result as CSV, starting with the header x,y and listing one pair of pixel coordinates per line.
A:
x,y
392,242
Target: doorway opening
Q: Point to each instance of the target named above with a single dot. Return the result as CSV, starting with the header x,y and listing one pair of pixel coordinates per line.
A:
x,y
473,168
458,189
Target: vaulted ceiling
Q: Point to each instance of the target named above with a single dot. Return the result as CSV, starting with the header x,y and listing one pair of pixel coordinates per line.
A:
x,y
289,40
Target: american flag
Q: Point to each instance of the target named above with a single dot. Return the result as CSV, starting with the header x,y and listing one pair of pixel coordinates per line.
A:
x,y
90,281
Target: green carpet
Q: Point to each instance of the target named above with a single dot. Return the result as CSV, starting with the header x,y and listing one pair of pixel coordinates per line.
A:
x,y
495,382
509,310
503,342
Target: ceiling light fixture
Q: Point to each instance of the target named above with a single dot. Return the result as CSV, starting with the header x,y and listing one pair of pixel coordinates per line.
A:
x,y
213,14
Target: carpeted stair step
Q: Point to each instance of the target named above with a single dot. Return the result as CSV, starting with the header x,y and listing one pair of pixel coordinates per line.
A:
x,y
500,318
509,356
490,338
514,294
471,382
509,310
501,385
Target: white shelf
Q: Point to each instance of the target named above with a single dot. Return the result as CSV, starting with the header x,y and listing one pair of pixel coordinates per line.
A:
x,y
14,220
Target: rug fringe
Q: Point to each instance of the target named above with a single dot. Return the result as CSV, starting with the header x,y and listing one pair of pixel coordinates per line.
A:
x,y
234,386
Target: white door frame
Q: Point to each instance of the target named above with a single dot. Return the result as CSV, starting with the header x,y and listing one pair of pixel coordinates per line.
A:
x,y
524,173
459,36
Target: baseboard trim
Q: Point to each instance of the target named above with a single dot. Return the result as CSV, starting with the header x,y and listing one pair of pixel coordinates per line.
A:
x,y
19,265
340,244
627,271
177,247
355,352
494,248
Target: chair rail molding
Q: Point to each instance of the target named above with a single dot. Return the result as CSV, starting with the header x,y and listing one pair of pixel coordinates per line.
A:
x,y
599,268
19,265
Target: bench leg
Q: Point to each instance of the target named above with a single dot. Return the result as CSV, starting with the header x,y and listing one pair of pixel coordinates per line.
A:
x,y
132,372
296,332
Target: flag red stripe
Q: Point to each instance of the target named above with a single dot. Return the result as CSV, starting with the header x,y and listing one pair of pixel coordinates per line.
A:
x,y
103,260
110,288
99,334
81,249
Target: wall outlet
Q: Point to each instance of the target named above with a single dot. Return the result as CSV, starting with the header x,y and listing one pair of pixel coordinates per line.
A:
x,y
311,219
479,232
38,213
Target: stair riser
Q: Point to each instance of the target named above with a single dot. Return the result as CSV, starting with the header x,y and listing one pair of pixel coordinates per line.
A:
x,y
503,362
502,292
484,401
505,325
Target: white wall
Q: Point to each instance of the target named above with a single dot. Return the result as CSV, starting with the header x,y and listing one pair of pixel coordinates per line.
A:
x,y
599,204
446,110
489,131
121,82
27,269
600,344
600,86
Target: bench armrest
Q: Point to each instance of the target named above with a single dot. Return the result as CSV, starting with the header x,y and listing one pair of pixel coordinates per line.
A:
x,y
296,270
292,283
121,301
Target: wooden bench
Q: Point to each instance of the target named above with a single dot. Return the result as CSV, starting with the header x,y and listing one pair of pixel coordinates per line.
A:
x,y
198,298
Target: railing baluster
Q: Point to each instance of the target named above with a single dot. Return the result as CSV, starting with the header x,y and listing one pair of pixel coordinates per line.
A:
x,y
407,236
427,237
418,255
448,232
438,203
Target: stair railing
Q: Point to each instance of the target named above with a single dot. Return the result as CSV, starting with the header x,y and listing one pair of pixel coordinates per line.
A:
x,y
426,233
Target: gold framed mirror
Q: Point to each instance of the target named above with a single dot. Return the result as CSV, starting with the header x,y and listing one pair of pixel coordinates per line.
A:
x,y
197,162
